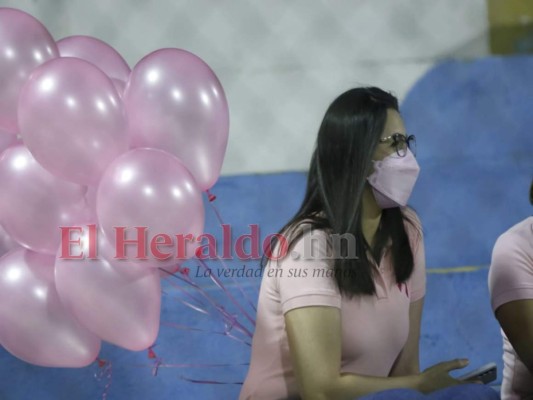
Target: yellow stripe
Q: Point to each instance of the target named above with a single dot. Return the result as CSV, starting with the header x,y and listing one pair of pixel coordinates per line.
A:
x,y
453,270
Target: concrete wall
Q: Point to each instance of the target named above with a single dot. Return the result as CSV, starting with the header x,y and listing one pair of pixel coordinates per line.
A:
x,y
281,62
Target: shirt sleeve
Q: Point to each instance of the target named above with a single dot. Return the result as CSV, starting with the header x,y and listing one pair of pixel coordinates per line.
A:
x,y
417,281
305,275
511,271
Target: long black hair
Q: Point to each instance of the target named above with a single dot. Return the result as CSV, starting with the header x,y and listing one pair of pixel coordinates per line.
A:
x,y
340,164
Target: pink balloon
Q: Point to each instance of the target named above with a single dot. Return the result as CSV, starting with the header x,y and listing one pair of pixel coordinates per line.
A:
x,y
34,324
24,45
120,86
72,119
96,52
7,140
175,102
120,303
34,203
151,189
7,243
90,199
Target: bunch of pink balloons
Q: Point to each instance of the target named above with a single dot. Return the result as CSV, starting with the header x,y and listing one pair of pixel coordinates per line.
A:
x,y
85,141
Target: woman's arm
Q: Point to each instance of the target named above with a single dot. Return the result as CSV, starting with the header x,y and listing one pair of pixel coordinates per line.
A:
x,y
511,289
314,335
408,362
516,320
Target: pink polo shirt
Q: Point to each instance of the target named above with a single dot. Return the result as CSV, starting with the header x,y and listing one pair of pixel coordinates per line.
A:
x,y
374,328
511,278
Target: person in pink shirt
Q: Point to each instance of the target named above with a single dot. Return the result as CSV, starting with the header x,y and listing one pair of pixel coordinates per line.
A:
x,y
511,289
343,286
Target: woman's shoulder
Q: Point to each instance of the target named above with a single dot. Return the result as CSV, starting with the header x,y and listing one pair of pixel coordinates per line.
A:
x,y
523,229
304,228
517,240
411,218
302,237
411,215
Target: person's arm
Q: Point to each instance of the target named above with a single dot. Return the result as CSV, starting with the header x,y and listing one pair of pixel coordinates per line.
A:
x,y
516,320
314,335
408,362
511,289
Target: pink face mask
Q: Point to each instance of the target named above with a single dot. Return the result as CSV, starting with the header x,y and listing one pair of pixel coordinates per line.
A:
x,y
393,179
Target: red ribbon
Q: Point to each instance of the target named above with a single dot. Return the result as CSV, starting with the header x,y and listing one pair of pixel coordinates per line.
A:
x,y
210,195
151,353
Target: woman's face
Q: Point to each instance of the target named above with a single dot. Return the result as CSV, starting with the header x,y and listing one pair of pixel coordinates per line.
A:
x,y
394,124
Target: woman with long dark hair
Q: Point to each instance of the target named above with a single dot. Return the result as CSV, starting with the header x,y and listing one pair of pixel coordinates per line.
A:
x,y
339,312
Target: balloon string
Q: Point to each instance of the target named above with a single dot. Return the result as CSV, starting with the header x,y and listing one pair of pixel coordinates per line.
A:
x,y
209,382
219,308
212,198
200,365
195,308
250,302
157,364
151,352
232,299
200,290
160,364
186,293
225,316
165,365
158,361
106,371
182,271
227,331
188,328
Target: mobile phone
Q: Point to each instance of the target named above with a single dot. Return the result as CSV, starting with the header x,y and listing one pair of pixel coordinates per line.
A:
x,y
486,373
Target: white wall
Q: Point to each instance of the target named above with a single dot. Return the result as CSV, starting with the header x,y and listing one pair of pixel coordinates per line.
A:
x,y
281,62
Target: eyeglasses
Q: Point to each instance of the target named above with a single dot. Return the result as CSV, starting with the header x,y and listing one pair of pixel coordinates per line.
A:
x,y
401,143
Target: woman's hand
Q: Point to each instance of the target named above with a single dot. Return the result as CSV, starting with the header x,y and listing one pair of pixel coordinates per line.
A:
x,y
437,377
